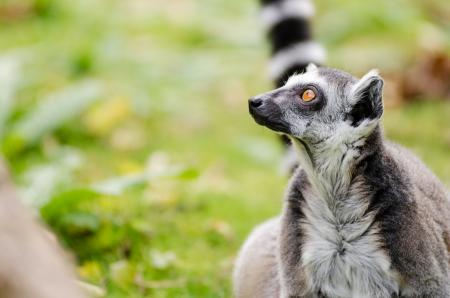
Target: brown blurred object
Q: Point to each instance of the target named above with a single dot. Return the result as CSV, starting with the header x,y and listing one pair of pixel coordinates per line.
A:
x,y
429,78
393,94
31,264
15,12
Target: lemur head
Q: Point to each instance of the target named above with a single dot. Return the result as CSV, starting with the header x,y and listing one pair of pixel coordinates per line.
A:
x,y
322,106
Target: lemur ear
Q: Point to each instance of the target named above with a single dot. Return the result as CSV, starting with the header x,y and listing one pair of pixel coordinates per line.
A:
x,y
311,67
367,97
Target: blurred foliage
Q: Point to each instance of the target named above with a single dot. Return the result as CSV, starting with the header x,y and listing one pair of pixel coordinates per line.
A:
x,y
125,124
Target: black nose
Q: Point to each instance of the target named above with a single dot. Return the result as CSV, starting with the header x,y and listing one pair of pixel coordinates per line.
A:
x,y
255,102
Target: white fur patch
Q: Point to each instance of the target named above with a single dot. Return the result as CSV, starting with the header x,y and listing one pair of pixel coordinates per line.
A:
x,y
310,76
274,13
343,260
311,67
289,162
341,253
302,52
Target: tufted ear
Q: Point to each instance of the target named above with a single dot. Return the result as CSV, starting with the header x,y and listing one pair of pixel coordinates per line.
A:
x,y
367,98
311,67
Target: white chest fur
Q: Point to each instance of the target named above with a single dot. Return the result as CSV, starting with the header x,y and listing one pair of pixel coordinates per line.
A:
x,y
341,254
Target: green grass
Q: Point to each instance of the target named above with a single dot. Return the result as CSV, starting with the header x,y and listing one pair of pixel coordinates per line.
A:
x,y
173,80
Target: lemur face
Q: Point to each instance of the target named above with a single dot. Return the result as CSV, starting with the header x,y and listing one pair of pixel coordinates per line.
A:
x,y
320,103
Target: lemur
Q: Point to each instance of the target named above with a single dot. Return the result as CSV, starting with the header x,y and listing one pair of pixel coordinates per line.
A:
x,y
362,217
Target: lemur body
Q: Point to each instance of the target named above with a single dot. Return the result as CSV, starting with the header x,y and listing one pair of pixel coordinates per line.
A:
x,y
362,218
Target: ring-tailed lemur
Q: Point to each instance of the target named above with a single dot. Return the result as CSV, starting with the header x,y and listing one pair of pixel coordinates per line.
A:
x,y
289,31
363,217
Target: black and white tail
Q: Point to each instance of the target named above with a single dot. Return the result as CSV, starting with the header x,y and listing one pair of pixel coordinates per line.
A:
x,y
289,31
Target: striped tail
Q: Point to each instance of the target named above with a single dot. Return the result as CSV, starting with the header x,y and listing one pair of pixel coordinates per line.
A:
x,y
289,32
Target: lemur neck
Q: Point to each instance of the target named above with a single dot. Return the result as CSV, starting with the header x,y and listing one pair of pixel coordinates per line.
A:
x,y
332,167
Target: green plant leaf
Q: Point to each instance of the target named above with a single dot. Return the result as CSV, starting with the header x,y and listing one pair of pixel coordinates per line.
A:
x,y
9,78
55,110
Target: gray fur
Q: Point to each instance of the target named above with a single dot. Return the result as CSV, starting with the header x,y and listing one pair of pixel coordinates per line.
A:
x,y
362,218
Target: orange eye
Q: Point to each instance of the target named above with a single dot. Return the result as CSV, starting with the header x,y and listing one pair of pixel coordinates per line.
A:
x,y
308,95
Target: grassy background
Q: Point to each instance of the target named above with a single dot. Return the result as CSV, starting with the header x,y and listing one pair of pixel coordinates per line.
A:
x,y
125,125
